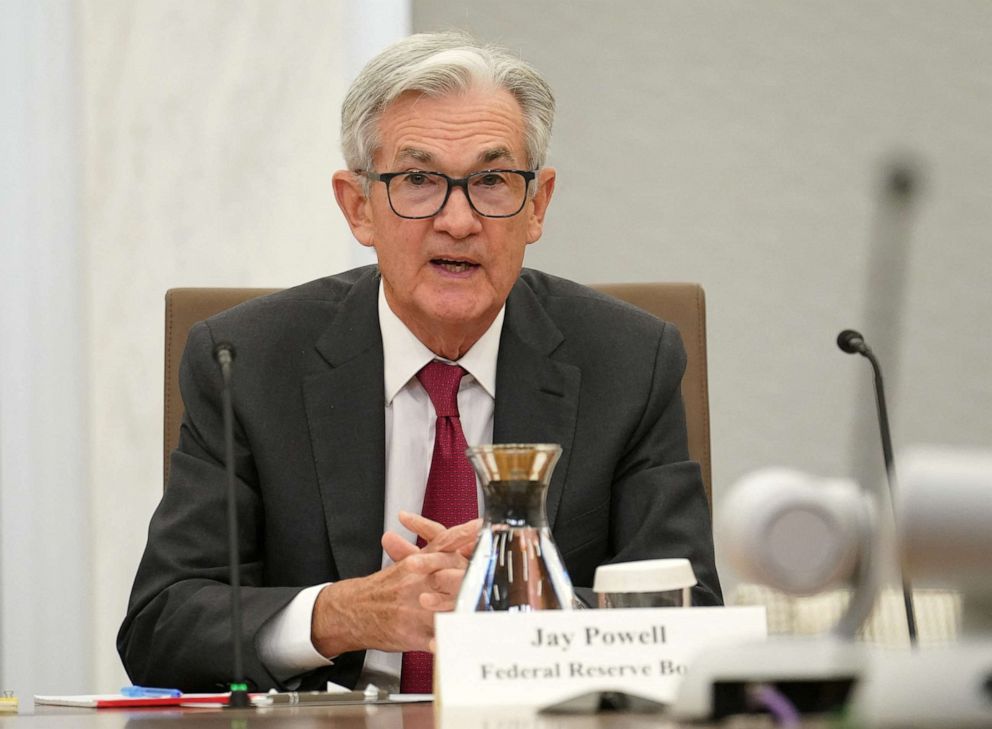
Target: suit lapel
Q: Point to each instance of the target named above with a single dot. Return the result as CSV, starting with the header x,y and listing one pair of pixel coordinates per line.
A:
x,y
536,396
345,411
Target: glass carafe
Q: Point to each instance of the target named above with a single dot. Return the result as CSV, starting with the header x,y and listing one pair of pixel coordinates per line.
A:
x,y
516,565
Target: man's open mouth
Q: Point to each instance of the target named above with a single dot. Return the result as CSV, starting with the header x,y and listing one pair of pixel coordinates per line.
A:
x,y
454,266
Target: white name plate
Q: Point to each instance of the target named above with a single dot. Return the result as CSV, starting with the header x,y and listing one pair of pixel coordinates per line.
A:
x,y
539,658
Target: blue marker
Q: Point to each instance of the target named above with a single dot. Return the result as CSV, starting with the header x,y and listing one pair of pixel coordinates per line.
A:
x,y
143,692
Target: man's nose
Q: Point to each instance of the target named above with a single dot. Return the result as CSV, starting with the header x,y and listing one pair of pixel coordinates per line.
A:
x,y
457,218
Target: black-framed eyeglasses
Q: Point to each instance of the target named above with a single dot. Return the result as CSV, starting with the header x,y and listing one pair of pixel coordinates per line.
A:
x,y
491,193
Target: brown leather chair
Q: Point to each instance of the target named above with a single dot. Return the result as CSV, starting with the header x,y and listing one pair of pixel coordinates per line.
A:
x,y
681,303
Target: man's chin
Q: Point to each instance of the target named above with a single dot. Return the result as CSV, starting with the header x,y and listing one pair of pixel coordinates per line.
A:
x,y
471,314
454,317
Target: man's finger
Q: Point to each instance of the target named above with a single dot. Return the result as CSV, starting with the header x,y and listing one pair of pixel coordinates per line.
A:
x,y
425,563
459,538
421,525
397,547
437,603
448,581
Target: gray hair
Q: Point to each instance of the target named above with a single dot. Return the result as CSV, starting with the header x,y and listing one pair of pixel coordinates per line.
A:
x,y
435,64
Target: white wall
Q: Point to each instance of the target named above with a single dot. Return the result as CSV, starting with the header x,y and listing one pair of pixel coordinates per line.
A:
x,y
739,144
44,531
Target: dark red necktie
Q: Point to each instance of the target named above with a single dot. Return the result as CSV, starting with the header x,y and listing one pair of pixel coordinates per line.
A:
x,y
451,495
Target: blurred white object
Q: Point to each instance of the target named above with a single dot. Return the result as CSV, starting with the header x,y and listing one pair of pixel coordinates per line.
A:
x,y
943,509
802,535
795,532
939,687
646,583
944,518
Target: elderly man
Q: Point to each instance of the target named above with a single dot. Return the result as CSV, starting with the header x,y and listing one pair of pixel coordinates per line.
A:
x,y
353,531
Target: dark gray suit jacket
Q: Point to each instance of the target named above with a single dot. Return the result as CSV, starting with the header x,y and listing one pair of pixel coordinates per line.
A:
x,y
575,367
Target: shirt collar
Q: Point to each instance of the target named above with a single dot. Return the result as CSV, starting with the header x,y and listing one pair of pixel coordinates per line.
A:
x,y
404,355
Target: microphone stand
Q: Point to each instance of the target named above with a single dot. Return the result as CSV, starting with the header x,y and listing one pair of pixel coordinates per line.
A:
x,y
890,472
239,699
853,343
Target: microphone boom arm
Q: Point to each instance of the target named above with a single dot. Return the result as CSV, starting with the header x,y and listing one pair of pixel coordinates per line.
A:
x,y
852,342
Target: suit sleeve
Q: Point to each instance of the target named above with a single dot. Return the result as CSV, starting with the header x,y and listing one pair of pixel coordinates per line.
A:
x,y
659,507
177,631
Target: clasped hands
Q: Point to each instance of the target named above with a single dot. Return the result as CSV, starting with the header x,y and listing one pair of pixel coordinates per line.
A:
x,y
393,609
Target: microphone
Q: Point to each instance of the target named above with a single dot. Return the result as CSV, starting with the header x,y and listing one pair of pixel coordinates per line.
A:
x,y
853,342
224,355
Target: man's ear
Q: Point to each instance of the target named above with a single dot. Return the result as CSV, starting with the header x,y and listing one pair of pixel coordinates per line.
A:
x,y
350,194
538,206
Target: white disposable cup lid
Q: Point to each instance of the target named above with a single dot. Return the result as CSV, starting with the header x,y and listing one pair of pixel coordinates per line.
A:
x,y
649,575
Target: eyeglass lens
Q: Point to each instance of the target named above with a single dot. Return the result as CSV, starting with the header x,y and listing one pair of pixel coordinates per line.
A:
x,y
422,194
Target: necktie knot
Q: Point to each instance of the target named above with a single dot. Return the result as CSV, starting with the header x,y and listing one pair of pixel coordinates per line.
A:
x,y
441,382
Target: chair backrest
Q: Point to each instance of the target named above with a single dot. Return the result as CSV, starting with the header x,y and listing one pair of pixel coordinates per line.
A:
x,y
681,303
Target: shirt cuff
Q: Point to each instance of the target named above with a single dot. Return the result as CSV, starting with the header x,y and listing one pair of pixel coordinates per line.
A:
x,y
284,641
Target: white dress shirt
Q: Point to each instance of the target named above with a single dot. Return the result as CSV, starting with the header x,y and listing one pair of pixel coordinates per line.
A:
x,y
284,641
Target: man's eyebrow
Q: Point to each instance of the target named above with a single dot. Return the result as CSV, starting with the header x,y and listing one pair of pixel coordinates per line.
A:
x,y
417,155
495,153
